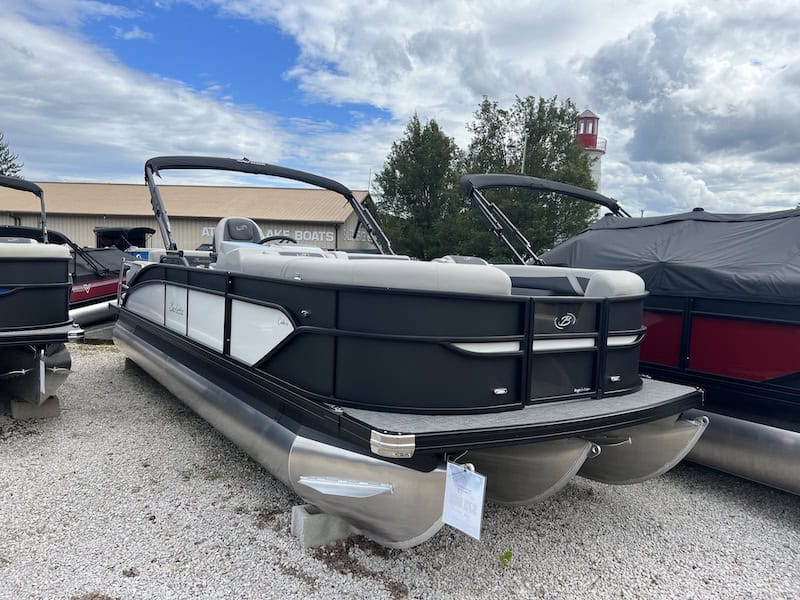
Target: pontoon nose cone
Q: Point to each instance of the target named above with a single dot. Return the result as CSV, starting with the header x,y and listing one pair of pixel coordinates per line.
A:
x,y
642,452
398,507
527,474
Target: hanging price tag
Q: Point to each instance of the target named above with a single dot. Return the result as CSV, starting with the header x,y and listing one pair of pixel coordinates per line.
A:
x,y
463,499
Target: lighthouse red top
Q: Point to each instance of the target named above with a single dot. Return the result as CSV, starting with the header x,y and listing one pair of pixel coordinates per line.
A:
x,y
586,129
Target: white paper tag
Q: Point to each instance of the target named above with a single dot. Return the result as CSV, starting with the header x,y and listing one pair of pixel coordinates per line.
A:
x,y
463,499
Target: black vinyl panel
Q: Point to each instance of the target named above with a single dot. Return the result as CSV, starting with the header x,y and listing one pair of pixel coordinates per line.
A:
x,y
34,306
214,281
307,305
762,311
549,314
307,361
669,303
558,374
33,271
428,315
623,363
625,315
748,310
422,377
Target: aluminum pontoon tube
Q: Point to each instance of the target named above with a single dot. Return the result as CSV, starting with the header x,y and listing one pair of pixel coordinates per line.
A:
x,y
761,453
521,475
94,313
635,454
394,505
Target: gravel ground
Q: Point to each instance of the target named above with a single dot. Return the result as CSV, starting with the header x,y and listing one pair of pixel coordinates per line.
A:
x,y
130,495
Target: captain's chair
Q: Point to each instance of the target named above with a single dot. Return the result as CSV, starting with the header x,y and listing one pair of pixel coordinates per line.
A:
x,y
233,232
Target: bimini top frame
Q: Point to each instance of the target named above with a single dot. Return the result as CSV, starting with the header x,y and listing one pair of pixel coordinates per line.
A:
x,y
155,165
471,186
16,183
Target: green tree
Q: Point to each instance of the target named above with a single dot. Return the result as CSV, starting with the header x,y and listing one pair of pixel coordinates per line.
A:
x,y
489,150
541,134
418,187
8,161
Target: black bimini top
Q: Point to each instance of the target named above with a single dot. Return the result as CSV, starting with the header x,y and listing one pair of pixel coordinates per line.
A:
x,y
493,180
15,183
242,166
747,257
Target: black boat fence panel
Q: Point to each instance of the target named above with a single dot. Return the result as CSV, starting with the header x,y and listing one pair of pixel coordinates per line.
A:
x,y
403,350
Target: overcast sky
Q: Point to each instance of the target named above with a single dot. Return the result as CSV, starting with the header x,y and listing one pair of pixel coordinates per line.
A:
x,y
700,102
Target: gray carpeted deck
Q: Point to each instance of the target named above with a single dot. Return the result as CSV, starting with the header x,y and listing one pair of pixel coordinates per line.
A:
x,y
653,394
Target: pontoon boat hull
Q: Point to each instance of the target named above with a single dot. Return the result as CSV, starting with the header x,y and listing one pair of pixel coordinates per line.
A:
x,y
757,452
395,505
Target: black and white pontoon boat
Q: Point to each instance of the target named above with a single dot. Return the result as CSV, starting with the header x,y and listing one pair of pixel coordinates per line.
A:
x,y
34,323
94,272
355,378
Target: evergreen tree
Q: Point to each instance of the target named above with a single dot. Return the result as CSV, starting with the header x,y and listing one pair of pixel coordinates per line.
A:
x,y
419,194
8,161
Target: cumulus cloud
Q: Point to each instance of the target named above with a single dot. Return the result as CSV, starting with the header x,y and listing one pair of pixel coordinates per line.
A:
x,y
707,97
439,58
67,12
82,114
699,104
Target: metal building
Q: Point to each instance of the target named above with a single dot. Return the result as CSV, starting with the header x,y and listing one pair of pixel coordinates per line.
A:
x,y
311,216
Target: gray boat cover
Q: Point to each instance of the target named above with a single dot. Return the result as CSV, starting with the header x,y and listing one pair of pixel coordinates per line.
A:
x,y
749,257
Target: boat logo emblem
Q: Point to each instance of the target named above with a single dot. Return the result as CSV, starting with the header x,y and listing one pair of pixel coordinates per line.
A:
x,y
565,320
87,287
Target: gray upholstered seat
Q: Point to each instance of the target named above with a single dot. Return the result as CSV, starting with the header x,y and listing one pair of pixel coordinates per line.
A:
x,y
541,280
233,232
391,274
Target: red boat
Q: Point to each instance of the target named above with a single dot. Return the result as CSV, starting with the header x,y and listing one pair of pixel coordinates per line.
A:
x,y
723,313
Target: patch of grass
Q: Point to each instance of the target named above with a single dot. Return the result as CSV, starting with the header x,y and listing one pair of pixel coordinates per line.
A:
x,y
505,558
213,476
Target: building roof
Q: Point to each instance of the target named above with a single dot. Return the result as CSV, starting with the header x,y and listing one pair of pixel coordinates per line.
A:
x,y
306,205
588,113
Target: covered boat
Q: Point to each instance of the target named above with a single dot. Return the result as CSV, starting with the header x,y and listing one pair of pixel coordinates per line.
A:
x,y
723,313
34,320
356,378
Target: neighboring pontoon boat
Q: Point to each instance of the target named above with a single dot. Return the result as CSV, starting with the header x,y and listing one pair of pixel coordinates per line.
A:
x,y
34,323
354,378
723,313
94,272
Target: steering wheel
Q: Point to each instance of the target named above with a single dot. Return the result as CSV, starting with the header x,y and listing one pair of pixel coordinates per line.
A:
x,y
277,238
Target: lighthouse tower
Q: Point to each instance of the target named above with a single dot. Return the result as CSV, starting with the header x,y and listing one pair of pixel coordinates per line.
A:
x,y
586,136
